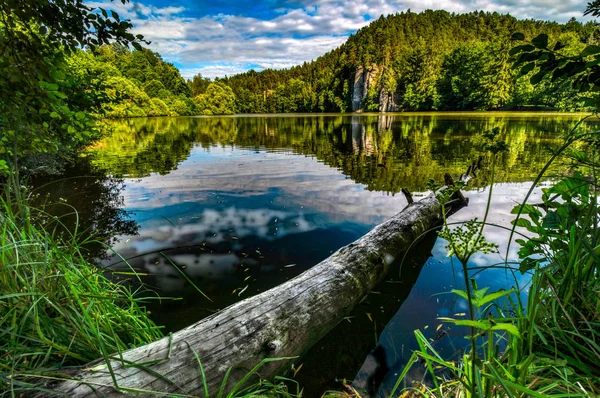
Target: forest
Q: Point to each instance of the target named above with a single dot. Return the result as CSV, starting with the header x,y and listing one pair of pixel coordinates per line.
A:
x,y
426,61
432,60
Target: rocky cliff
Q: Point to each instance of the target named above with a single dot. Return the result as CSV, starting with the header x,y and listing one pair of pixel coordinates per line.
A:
x,y
366,79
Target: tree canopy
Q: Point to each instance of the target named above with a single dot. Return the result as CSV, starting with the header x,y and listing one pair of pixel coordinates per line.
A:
x,y
43,107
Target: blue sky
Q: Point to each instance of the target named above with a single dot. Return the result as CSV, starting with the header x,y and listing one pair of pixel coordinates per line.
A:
x,y
224,37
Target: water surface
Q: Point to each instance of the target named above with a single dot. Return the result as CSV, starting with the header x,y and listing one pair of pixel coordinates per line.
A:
x,y
241,204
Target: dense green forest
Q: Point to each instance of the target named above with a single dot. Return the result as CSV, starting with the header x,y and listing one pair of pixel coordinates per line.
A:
x,y
136,83
433,60
408,61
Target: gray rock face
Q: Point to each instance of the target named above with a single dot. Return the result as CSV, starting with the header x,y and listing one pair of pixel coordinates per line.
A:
x,y
364,79
357,88
386,101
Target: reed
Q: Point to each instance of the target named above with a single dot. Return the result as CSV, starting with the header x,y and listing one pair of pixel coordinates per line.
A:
x,y
56,309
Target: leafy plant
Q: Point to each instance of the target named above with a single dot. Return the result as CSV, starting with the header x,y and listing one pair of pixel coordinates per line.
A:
x,y
44,109
551,344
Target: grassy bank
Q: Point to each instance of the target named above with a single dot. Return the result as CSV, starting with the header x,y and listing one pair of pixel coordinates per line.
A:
x,y
56,309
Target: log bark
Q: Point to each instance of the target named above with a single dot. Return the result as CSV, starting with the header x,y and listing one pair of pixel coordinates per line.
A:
x,y
282,322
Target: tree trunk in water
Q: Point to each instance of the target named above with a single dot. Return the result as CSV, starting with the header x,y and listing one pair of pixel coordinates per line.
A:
x,y
282,322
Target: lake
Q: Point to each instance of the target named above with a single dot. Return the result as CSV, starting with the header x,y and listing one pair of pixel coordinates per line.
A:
x,y
227,207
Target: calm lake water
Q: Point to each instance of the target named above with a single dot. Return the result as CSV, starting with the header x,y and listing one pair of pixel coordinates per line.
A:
x,y
241,204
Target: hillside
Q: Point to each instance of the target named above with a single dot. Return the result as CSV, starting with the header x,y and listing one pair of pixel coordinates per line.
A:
x,y
132,83
409,61
432,60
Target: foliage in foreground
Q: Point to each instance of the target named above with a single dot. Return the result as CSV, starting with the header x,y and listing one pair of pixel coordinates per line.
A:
x,y
550,345
56,309
43,107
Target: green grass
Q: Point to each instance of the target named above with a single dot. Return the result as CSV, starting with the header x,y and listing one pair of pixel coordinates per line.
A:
x,y
56,309
59,311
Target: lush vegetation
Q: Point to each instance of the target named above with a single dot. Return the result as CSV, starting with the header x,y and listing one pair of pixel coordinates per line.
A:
x,y
134,83
56,309
63,65
44,107
546,345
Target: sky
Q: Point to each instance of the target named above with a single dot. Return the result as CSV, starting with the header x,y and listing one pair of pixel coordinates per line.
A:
x,y
225,37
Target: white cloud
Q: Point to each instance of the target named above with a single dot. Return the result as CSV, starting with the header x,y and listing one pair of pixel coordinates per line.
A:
x,y
212,71
224,44
161,30
170,10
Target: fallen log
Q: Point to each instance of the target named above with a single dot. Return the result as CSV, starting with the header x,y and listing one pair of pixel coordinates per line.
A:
x,y
282,322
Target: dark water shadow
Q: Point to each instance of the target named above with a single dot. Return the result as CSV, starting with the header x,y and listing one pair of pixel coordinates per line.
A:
x,y
88,204
342,353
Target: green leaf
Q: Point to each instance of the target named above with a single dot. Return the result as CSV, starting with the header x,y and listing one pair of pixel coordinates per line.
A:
x,y
460,293
551,221
594,62
571,186
559,46
522,48
522,222
60,95
493,296
477,294
526,209
558,73
535,79
517,36
49,86
590,50
591,102
527,68
528,264
540,41
508,327
467,322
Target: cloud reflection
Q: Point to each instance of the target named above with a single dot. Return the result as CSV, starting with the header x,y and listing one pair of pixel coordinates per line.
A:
x,y
295,181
